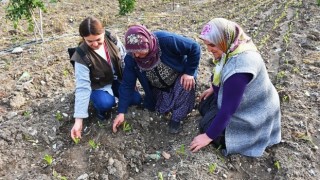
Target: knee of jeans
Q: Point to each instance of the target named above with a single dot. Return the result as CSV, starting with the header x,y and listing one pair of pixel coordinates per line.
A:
x,y
106,105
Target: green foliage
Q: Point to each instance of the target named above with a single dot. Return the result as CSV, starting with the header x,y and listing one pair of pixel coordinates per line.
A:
x,y
48,159
126,127
126,6
220,156
296,70
160,176
318,2
212,168
281,75
277,165
285,98
181,150
58,176
93,144
65,72
76,140
101,125
23,9
59,116
26,114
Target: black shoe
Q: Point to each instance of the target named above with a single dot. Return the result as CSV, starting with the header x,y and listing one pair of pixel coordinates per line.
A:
x,y
104,116
174,127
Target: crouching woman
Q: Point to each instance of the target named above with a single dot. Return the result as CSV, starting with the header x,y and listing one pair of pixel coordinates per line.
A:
x,y
241,110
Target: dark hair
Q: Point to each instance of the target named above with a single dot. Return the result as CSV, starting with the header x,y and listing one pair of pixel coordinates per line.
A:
x,y
90,26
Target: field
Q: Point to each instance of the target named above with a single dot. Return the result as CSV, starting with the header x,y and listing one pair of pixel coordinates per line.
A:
x,y
37,96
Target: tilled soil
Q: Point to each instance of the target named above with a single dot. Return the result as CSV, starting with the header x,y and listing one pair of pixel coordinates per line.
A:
x,y
37,96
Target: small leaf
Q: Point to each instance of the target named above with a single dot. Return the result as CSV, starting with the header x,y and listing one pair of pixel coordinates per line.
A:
x,y
48,159
76,140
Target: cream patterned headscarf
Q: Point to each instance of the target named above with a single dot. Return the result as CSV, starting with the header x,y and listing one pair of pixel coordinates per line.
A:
x,y
229,37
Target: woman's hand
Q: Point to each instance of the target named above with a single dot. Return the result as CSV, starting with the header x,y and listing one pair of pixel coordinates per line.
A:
x,y
206,93
187,82
199,142
117,122
77,128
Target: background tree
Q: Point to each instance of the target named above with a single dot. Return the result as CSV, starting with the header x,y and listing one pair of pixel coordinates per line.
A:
x,y
25,9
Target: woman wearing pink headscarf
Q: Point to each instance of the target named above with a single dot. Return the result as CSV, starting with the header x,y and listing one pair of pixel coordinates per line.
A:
x,y
241,110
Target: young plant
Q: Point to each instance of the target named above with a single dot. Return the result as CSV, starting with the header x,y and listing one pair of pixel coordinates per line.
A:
x,y
59,116
101,125
181,150
160,177
285,98
126,127
93,144
48,159
281,75
296,70
58,176
212,168
76,140
218,153
65,72
277,165
26,114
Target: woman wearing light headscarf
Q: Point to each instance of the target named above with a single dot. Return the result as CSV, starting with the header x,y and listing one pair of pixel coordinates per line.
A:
x,y
166,66
241,110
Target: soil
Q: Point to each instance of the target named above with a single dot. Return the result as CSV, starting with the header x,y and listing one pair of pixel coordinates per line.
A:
x,y
37,96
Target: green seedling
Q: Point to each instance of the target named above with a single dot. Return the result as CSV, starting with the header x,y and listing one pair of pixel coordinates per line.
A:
x,y
281,75
306,137
26,114
57,175
48,159
101,125
277,165
160,176
126,127
285,98
296,70
220,156
212,168
76,140
29,139
65,73
181,150
59,116
264,41
93,144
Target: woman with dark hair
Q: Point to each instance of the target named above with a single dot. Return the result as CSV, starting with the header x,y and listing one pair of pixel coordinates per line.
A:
x,y
98,72
241,109
166,66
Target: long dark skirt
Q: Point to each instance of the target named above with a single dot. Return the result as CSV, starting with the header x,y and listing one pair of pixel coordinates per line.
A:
x,y
176,100
208,109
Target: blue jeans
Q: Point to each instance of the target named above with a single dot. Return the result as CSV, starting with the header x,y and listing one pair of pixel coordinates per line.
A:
x,y
103,101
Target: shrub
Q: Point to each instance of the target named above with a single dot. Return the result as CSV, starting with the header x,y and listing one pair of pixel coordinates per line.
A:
x,y
126,6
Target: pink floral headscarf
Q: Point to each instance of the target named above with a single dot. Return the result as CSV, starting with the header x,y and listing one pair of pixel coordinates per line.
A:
x,y
229,37
139,39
